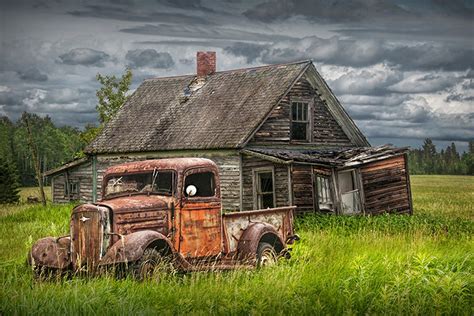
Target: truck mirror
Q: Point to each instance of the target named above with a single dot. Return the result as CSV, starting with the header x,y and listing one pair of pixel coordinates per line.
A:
x,y
191,190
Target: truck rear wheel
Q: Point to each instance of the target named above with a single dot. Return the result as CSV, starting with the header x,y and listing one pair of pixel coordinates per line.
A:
x,y
266,255
152,262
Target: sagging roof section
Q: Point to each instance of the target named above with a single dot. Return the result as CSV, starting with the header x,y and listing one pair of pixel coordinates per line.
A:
x,y
165,114
328,157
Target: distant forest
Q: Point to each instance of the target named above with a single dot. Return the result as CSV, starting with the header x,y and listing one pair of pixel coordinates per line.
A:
x,y
427,160
58,145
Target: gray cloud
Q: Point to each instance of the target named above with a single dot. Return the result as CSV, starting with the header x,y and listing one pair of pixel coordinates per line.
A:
x,y
357,10
248,50
201,32
359,53
32,74
149,58
85,57
330,10
126,13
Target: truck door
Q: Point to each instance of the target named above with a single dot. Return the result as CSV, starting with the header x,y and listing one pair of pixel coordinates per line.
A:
x,y
200,220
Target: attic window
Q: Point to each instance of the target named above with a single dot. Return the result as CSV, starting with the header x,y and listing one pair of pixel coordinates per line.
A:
x,y
299,121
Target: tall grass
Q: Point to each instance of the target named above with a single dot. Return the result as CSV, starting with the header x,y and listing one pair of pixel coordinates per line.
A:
x,y
421,264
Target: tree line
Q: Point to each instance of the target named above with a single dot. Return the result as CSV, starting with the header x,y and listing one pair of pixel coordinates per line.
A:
x,y
427,160
34,144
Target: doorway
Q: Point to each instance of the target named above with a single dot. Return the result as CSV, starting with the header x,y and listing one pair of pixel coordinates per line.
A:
x,y
349,192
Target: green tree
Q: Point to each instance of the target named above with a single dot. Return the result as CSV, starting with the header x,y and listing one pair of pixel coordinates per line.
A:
x,y
8,182
112,94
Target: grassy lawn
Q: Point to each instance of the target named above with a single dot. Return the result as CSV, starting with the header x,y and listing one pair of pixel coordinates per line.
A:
x,y
421,264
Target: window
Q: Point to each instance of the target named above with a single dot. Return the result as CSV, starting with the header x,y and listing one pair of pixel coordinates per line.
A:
x,y
71,189
299,121
151,182
264,189
324,193
203,182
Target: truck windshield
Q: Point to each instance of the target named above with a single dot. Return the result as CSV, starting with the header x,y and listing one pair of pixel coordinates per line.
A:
x,y
157,182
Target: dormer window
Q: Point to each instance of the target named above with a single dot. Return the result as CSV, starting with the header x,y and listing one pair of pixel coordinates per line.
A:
x,y
299,121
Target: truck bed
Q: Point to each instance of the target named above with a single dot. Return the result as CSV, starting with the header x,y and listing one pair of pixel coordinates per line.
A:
x,y
235,223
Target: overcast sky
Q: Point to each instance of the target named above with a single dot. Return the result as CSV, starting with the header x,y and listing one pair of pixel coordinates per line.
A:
x,y
403,69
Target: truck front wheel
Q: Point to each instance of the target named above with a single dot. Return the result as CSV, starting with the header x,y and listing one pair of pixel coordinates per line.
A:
x,y
151,262
266,255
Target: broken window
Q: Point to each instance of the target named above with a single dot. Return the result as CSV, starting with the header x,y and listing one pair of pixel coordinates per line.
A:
x,y
203,183
264,189
299,121
157,181
348,189
324,193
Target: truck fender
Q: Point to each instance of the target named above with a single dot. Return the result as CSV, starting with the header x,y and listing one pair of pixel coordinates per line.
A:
x,y
253,235
51,252
130,247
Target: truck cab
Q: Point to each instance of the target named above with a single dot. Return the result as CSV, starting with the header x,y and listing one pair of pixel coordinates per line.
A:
x,y
165,208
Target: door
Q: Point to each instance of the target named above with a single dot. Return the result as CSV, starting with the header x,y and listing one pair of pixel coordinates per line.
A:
x,y
200,220
349,192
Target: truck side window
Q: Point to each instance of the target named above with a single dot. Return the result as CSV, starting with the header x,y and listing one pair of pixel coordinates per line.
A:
x,y
204,183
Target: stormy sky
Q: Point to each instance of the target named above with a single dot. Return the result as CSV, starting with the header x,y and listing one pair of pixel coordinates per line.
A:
x,y
403,69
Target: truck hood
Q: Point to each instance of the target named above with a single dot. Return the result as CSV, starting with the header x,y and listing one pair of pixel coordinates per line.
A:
x,y
137,202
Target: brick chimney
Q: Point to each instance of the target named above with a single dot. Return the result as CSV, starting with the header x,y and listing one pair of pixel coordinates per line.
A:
x,y
206,63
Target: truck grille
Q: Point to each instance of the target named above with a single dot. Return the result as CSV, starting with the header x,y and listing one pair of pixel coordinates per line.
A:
x,y
88,225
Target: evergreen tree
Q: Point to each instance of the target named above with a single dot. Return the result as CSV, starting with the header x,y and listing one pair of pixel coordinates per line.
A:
x,y
9,192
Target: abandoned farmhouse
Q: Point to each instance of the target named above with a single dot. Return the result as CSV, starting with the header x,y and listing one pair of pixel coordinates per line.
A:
x,y
277,133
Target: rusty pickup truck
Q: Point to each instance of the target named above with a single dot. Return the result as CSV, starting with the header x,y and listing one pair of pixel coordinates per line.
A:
x,y
164,209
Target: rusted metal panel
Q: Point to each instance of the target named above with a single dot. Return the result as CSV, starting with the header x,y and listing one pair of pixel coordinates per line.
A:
x,y
51,252
235,224
88,227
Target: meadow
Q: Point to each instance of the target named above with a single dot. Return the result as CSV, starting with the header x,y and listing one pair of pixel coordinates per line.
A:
x,y
421,264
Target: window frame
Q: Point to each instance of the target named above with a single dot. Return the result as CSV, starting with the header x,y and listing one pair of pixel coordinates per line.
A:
x,y
308,103
69,193
328,190
191,171
257,201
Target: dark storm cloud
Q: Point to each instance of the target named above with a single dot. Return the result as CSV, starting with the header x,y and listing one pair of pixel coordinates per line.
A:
x,y
149,58
360,53
201,32
248,50
85,57
126,14
357,10
335,11
32,74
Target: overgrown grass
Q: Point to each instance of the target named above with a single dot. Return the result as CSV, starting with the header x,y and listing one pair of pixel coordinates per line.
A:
x,y
421,264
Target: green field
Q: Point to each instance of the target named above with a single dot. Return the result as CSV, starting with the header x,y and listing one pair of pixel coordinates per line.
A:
x,y
421,264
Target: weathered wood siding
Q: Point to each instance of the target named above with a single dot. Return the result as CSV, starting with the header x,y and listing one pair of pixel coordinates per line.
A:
x,y
302,180
249,164
325,130
82,175
386,186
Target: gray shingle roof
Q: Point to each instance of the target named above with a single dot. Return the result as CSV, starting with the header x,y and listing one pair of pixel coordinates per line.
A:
x,y
223,113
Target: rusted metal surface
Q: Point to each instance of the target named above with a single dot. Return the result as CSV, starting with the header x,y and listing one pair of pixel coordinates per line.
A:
x,y
236,224
191,229
51,252
129,248
89,225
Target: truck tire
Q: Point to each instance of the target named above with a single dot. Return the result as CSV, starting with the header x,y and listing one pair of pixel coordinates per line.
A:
x,y
266,255
152,263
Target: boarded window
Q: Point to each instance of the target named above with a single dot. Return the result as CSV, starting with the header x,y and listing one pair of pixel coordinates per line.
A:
x,y
325,202
204,183
264,189
299,121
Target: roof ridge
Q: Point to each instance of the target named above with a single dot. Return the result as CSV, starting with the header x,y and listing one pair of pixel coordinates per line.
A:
x,y
235,69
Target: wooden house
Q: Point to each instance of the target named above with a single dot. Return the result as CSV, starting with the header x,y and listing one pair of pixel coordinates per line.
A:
x,y
278,134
